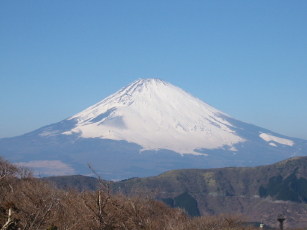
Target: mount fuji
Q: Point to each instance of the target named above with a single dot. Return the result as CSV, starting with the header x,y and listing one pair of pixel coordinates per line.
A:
x,y
144,129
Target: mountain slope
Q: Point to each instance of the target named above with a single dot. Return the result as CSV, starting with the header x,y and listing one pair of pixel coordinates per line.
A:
x,y
257,192
144,129
156,115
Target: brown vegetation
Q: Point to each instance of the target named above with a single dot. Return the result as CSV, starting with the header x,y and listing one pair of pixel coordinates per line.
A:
x,y
29,203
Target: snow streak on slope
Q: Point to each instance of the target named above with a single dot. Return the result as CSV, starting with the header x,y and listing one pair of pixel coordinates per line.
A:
x,y
269,137
156,115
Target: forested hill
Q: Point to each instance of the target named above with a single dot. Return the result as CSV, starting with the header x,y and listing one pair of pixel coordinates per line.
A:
x,y
258,192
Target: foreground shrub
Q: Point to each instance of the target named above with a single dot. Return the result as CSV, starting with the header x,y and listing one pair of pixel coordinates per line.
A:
x,y
28,203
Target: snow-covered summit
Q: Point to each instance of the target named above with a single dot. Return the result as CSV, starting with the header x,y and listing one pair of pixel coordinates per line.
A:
x,y
148,114
156,115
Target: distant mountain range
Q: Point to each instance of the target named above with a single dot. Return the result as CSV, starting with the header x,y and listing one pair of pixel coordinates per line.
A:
x,y
259,193
144,129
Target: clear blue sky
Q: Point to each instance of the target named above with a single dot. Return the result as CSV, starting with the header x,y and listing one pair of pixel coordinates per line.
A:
x,y
246,58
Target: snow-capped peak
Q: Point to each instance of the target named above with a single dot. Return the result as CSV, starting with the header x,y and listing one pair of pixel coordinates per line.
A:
x,y
156,115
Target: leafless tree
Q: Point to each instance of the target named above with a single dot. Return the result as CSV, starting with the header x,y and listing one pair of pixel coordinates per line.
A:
x,y
29,203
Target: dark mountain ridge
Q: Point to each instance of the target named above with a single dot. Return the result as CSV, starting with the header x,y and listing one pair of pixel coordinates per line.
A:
x,y
259,193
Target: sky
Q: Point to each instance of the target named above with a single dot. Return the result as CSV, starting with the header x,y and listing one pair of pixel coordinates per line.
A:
x,y
246,58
